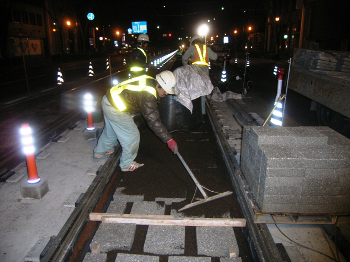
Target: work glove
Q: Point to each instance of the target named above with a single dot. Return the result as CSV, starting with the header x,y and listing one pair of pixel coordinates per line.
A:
x,y
172,145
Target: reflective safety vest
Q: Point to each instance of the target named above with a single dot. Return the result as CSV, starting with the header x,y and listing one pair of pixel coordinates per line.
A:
x,y
138,68
137,84
199,57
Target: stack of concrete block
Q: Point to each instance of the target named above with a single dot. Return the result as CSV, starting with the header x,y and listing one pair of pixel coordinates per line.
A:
x,y
298,170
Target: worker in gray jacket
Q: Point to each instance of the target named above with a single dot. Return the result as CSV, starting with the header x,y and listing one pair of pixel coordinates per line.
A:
x,y
200,54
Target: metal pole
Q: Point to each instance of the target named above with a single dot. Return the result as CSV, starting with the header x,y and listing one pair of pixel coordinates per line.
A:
x,y
245,70
110,68
25,72
285,100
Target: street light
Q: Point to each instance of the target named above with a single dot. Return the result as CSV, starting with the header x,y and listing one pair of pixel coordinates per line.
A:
x,y
203,31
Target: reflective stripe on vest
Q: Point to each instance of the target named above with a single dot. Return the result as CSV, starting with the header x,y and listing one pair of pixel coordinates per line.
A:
x,y
202,57
130,85
144,53
138,68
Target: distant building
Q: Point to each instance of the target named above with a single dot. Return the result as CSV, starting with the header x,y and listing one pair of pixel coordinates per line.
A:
x,y
34,31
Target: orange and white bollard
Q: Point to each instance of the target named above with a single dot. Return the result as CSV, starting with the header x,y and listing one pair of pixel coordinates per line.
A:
x,y
89,108
29,149
60,80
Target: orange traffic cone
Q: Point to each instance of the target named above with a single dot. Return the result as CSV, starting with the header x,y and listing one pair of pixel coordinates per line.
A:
x,y
28,150
60,80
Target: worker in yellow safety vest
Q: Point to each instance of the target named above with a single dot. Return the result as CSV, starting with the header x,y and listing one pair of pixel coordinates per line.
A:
x,y
200,54
137,95
139,58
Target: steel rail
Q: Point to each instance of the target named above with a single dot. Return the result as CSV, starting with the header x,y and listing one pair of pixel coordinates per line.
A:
x,y
260,239
64,243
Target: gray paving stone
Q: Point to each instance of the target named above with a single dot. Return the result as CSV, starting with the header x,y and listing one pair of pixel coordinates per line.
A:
x,y
147,208
95,257
114,237
123,257
216,241
169,201
119,195
165,240
230,259
117,207
188,259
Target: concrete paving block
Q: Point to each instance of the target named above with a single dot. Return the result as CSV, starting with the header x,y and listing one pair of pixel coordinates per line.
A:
x,y
16,177
95,257
308,136
123,257
266,135
279,208
257,118
147,208
230,259
281,184
92,171
34,254
188,259
285,172
280,156
63,139
119,195
71,200
216,241
165,240
114,237
324,157
43,155
169,201
117,207
36,191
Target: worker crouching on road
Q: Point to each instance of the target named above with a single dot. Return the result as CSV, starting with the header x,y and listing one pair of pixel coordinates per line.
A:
x,y
133,96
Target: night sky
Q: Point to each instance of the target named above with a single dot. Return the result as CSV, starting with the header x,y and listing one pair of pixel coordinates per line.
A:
x,y
177,16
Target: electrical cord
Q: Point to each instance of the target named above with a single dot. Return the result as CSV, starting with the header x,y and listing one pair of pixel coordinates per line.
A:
x,y
334,259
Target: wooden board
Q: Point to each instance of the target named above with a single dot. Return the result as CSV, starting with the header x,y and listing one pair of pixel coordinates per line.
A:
x,y
166,220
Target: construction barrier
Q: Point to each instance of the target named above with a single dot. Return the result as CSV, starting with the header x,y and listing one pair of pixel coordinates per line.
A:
x,y
107,64
89,108
91,70
29,149
277,113
60,80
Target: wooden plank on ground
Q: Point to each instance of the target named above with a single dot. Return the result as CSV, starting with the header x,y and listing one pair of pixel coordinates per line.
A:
x,y
167,220
98,216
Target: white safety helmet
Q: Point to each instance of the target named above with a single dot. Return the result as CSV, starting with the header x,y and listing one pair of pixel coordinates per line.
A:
x,y
143,38
167,81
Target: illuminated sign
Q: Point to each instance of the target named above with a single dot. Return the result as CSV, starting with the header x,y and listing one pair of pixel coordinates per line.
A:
x,y
139,27
91,16
225,39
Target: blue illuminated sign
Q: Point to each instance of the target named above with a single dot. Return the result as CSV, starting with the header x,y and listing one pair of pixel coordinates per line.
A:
x,y
139,27
91,16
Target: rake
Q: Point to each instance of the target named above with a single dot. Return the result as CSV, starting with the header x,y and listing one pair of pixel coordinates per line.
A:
x,y
206,198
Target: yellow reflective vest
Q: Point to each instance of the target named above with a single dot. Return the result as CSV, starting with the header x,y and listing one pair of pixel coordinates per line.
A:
x,y
138,68
199,57
137,84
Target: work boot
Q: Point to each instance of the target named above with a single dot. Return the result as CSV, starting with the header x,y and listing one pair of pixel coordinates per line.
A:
x,y
134,165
